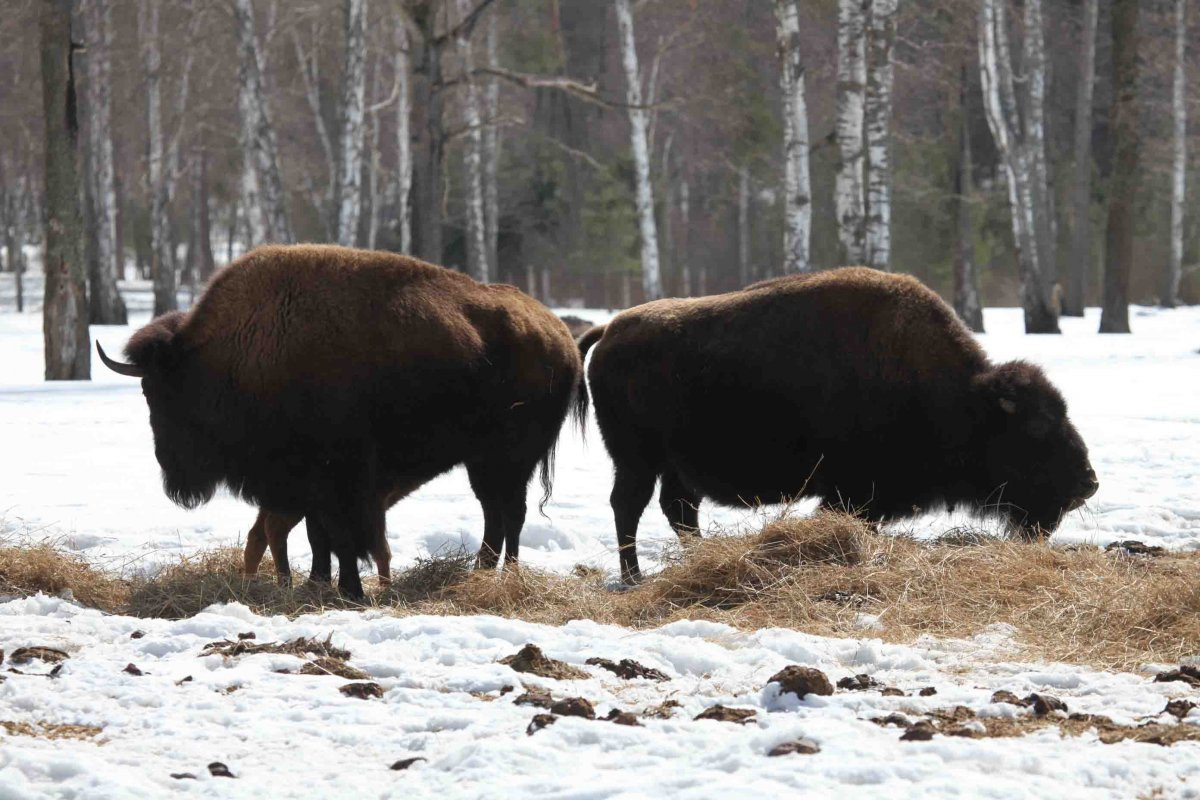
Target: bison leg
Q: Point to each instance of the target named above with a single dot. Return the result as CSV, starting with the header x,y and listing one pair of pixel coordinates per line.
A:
x,y
680,504
500,487
278,528
632,489
256,545
318,540
381,553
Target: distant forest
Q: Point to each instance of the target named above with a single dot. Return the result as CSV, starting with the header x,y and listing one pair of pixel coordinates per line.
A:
x,y
600,152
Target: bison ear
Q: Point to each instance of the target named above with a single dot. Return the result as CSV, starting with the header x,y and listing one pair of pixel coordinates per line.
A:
x,y
152,347
1008,406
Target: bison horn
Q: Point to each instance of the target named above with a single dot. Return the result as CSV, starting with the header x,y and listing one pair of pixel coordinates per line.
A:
x,y
132,370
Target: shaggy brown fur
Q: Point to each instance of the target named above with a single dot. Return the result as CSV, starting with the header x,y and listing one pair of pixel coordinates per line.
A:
x,y
315,380
856,386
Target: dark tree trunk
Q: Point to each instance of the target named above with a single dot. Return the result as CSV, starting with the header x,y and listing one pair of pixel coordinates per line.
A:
x,y
1081,234
65,309
431,141
1118,255
966,281
204,264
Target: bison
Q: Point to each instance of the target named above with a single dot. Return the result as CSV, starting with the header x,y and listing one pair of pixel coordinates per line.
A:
x,y
858,387
314,381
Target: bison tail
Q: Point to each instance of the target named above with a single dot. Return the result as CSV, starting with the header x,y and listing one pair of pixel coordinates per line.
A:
x,y
580,405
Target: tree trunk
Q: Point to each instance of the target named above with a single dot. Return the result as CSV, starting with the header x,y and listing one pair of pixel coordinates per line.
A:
x,y
354,86
877,113
162,268
743,227
1118,255
431,100
851,83
322,198
651,278
476,224
1043,195
1170,295
64,309
105,304
966,281
200,257
264,199
1081,235
404,165
685,270
1000,105
491,153
797,198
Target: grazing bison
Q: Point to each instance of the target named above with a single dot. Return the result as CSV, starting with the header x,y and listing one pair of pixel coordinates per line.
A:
x,y
858,387
316,381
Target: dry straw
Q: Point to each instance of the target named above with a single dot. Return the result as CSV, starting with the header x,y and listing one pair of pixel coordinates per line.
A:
x,y
825,574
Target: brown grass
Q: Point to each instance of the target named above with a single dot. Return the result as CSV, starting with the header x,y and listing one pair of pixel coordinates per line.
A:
x,y
50,730
817,574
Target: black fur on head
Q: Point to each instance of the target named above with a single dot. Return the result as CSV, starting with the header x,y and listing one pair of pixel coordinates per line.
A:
x,y
1033,461
189,461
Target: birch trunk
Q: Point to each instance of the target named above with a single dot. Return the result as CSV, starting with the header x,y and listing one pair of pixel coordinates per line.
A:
x,y
851,83
64,308
743,227
404,162
201,259
1170,296
966,280
1043,197
262,185
491,152
1081,192
797,199
373,173
1118,252
105,304
162,269
1000,106
651,277
476,228
877,113
354,86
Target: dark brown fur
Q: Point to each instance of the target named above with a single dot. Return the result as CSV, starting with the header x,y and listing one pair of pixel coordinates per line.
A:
x,y
858,387
316,380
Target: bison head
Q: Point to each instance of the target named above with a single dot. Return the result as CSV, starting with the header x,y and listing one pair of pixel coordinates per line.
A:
x,y
1034,463
183,445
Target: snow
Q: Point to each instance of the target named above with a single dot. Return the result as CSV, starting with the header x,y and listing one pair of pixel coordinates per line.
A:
x,y
78,467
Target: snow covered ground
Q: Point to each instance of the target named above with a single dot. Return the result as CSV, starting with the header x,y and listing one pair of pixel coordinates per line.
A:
x,y
77,464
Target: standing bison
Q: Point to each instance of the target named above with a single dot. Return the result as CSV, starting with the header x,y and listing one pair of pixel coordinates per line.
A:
x,y
319,382
855,386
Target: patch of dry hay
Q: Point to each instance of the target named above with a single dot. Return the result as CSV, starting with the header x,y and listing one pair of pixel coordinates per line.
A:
x,y
819,574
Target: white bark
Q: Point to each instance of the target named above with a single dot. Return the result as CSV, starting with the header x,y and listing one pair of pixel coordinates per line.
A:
x,y
743,226
1035,129
263,189
877,113
373,171
477,250
1179,156
162,267
851,84
106,303
354,86
797,198
1000,106
491,152
644,196
404,156
1081,234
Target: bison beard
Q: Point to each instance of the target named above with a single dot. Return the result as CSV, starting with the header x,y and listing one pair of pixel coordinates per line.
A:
x,y
325,383
858,387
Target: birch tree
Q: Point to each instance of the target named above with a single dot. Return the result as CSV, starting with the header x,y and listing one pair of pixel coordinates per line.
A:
x,y
877,114
263,197
1118,252
851,83
644,195
491,150
1000,106
743,226
104,301
404,162
797,199
1035,127
64,309
354,86
476,233
1170,295
1081,190
162,268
